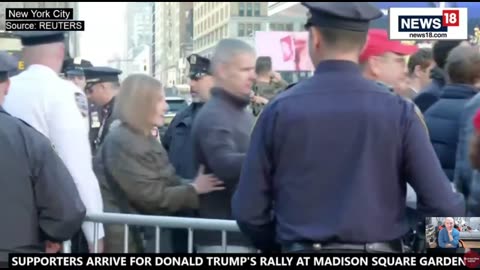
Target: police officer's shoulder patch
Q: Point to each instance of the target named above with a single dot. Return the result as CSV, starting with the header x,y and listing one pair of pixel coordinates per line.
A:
x,y
82,104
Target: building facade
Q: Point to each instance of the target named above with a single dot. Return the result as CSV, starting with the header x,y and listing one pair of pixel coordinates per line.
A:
x,y
216,21
173,36
138,25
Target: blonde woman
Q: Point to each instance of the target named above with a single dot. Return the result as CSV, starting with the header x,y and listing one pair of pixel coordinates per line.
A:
x,y
133,168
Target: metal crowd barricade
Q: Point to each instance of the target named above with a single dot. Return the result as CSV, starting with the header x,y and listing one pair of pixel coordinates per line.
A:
x,y
159,222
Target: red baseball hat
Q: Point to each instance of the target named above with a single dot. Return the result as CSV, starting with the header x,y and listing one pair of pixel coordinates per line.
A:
x,y
378,43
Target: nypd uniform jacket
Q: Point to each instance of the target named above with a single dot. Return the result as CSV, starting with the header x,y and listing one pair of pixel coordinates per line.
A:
x,y
179,142
38,198
330,158
48,103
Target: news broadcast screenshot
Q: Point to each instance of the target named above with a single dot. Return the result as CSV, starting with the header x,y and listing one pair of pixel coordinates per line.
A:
x,y
240,135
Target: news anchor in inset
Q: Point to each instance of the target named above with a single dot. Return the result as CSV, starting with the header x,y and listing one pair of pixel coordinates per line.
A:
x,y
448,237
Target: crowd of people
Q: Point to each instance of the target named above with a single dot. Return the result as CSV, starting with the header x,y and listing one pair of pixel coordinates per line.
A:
x,y
323,165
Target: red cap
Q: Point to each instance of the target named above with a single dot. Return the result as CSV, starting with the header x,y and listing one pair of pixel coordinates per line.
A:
x,y
378,43
476,121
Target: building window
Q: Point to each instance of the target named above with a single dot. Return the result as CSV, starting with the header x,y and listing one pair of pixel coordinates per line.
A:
x,y
249,30
225,30
222,13
256,9
241,30
241,9
280,27
249,9
257,27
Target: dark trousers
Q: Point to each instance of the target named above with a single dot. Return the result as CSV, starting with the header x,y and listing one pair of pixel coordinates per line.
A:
x,y
416,241
180,236
79,243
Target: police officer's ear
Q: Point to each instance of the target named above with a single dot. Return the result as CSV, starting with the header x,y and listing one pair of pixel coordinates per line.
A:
x,y
316,38
4,87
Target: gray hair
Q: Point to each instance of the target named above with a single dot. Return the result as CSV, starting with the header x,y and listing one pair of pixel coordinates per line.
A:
x,y
227,49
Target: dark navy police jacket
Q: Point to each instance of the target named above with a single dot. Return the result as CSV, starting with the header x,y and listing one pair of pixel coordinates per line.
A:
x,y
329,159
38,197
179,143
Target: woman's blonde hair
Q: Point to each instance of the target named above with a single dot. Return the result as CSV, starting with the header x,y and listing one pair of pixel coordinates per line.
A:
x,y
137,100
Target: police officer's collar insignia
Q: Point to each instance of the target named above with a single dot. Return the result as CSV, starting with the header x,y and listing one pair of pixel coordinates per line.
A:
x,y
193,60
95,123
82,104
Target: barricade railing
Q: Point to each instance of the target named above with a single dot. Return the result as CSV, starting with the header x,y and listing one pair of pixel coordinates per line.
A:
x,y
159,223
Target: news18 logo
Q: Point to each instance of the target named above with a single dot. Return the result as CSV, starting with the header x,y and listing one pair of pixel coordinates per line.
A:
x,y
428,23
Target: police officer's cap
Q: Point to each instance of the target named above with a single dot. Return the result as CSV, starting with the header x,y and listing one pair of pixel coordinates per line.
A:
x,y
29,38
75,66
199,66
95,75
352,16
8,64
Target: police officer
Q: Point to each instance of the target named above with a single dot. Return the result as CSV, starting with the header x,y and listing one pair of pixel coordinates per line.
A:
x,y
33,210
177,139
73,70
102,86
343,167
48,103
